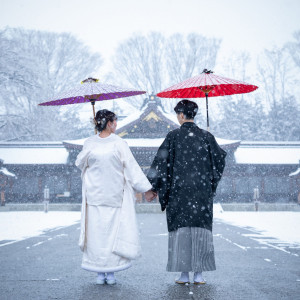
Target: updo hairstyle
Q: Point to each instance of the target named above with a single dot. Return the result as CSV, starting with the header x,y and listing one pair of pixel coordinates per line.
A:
x,y
102,118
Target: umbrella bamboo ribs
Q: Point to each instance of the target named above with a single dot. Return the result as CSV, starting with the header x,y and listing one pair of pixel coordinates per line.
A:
x,y
91,90
204,85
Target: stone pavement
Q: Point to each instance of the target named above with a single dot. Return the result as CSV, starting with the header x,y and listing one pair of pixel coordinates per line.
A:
x,y
48,267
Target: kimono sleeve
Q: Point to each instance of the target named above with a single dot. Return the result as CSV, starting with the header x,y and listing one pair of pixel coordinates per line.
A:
x,y
132,171
218,156
160,172
82,158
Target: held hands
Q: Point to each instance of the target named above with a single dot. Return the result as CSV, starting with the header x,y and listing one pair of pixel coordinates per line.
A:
x,y
150,195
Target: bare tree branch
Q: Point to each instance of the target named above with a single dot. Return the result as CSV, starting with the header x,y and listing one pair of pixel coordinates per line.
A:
x,y
34,67
153,62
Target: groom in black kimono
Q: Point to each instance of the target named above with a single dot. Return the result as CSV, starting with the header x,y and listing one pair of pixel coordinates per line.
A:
x,y
185,173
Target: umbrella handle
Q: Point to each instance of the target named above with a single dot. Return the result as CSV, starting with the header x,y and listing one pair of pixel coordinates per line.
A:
x,y
93,105
207,118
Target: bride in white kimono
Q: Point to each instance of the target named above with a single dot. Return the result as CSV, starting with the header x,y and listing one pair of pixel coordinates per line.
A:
x,y
110,176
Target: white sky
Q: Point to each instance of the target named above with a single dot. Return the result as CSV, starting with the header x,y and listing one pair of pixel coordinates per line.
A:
x,y
250,25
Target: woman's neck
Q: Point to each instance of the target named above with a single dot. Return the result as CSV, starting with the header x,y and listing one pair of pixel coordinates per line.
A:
x,y
105,133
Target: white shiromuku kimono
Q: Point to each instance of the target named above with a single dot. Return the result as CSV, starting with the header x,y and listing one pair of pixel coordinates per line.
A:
x,y
110,176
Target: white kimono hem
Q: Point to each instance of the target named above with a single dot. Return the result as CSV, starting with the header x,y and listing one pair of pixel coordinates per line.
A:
x,y
109,236
88,267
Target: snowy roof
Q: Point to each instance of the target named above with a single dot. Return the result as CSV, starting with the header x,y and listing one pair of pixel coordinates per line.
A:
x,y
155,143
4,171
31,144
283,153
172,117
271,143
136,115
55,153
78,142
42,153
119,106
223,142
129,119
297,172
131,142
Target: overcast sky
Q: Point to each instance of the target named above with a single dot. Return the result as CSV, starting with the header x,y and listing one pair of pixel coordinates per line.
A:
x,y
251,25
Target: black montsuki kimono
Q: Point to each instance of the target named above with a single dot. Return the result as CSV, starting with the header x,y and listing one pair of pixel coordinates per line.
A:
x,y
185,172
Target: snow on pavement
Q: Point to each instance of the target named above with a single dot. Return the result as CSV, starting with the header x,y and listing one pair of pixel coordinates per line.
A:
x,y
16,226
282,225
19,225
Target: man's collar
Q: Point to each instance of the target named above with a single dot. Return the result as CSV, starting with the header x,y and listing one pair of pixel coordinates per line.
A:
x,y
188,124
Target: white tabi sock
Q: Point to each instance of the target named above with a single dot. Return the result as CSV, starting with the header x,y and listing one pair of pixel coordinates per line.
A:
x,y
198,277
184,277
110,276
101,276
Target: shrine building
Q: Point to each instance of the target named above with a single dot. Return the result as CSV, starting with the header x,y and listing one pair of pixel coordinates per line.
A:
x,y
28,167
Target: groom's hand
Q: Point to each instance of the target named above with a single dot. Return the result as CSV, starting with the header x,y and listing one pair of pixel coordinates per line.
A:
x,y
150,195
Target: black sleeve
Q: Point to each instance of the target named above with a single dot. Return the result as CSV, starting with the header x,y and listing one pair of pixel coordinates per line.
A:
x,y
217,155
160,170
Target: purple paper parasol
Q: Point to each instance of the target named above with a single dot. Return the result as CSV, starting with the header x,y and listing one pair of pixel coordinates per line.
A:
x,y
91,90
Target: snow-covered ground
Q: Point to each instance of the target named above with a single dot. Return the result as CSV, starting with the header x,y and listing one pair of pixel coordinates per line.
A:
x,y
19,225
16,226
282,225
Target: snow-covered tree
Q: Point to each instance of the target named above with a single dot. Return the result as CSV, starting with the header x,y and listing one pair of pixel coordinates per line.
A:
x,y
278,83
240,120
187,56
34,66
294,48
153,62
283,121
241,116
272,112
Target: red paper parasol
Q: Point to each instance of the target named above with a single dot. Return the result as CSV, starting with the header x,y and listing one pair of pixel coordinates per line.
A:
x,y
207,84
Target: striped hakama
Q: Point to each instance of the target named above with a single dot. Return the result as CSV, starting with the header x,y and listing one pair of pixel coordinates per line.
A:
x,y
191,249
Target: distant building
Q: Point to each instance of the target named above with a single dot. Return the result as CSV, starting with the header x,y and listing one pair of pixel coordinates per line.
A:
x,y
273,167
36,165
6,181
266,165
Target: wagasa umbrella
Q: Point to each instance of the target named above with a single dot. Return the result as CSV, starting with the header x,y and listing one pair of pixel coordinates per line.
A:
x,y
204,85
91,90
